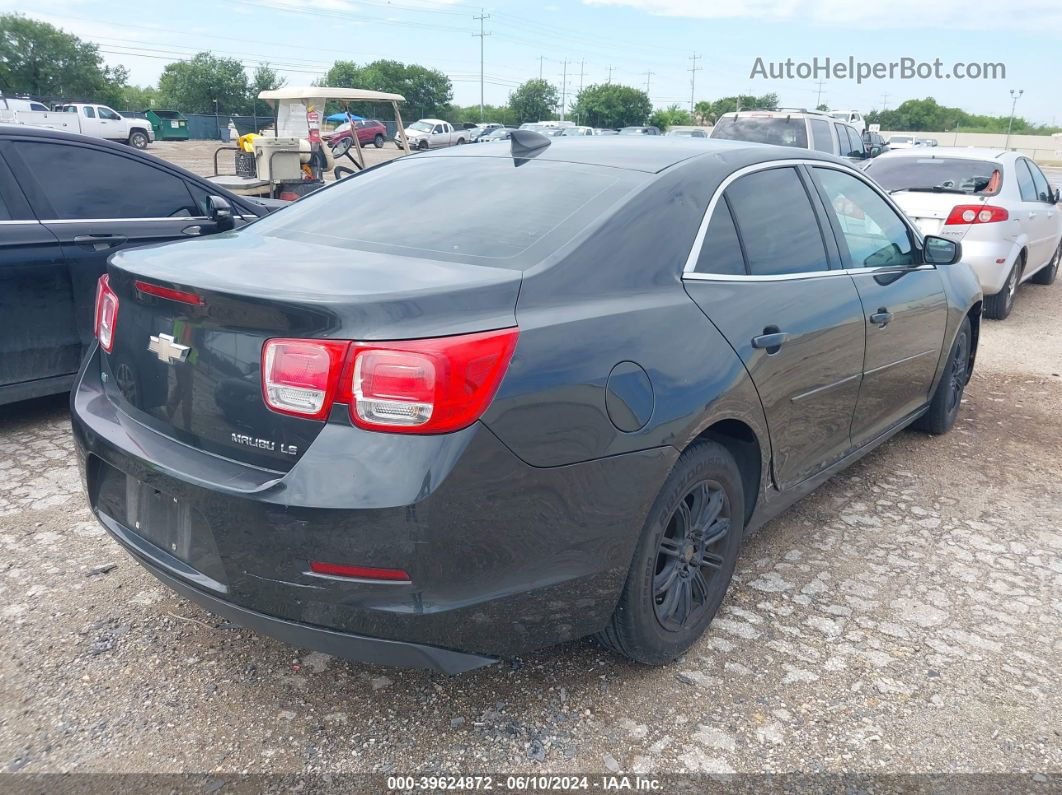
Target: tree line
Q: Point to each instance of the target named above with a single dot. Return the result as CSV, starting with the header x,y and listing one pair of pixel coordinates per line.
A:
x,y
42,61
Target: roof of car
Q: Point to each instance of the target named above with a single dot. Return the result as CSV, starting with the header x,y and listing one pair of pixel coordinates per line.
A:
x,y
982,152
651,154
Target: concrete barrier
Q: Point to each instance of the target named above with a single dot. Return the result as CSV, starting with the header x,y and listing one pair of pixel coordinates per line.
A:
x,y
1041,148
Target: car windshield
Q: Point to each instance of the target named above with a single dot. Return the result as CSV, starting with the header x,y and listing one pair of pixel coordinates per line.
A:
x,y
421,126
937,174
777,130
526,219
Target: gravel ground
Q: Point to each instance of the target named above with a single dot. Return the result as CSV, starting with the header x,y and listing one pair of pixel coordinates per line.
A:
x,y
907,617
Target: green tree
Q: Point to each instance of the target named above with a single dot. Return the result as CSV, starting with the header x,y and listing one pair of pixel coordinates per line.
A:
x,y
43,61
533,100
139,98
501,114
671,117
193,86
711,111
823,107
264,78
427,91
612,105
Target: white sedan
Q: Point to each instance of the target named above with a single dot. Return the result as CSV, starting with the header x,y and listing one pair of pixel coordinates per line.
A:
x,y
998,204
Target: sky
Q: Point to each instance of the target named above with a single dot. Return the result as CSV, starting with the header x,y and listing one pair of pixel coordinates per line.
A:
x,y
636,42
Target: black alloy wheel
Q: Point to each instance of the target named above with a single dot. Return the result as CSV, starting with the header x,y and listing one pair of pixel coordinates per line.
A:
x,y
689,555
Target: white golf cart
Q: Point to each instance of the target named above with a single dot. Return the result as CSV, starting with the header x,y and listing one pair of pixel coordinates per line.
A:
x,y
291,159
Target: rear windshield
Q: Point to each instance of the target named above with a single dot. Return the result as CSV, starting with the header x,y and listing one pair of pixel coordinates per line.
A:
x,y
937,174
432,207
777,130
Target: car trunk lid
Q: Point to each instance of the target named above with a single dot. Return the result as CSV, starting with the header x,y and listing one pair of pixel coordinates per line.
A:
x,y
929,211
187,363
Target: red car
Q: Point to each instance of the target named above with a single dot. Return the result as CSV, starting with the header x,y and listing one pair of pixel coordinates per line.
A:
x,y
370,131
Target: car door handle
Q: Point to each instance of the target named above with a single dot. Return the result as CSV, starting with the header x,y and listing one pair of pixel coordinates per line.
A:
x,y
771,340
100,242
881,318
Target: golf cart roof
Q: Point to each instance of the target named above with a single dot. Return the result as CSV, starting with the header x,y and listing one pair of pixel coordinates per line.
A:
x,y
327,92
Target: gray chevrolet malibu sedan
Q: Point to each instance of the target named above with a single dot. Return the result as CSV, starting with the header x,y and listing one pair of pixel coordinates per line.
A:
x,y
440,436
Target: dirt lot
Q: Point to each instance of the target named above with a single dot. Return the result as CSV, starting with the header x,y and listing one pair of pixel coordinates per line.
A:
x,y
906,617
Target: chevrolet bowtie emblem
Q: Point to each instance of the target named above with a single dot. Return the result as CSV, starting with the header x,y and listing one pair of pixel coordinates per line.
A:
x,y
167,349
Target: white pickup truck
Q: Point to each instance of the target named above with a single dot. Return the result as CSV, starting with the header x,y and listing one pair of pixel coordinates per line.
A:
x,y
433,134
97,121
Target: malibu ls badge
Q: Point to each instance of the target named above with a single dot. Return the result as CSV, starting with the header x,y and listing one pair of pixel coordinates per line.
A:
x,y
167,349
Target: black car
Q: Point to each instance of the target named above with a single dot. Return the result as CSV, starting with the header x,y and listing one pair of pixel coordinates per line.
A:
x,y
67,202
441,442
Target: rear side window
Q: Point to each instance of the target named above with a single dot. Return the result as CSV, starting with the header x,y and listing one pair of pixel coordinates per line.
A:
x,y
721,250
420,208
107,185
777,130
90,112
777,224
1025,182
820,136
1043,189
874,234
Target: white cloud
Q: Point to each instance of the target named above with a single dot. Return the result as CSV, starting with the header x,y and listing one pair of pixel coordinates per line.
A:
x,y
1044,16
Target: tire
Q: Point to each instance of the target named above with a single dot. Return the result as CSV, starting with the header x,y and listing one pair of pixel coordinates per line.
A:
x,y
460,141
998,306
138,139
378,141
663,610
947,397
423,146
1046,275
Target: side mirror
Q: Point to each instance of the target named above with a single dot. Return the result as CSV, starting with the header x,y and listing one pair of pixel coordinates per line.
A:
x,y
220,212
940,251
1058,195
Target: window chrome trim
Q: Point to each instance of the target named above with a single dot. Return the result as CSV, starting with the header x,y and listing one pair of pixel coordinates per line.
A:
x,y
689,269
184,218
7,222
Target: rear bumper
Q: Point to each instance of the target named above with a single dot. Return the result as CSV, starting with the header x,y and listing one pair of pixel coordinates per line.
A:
x,y
503,557
983,256
339,644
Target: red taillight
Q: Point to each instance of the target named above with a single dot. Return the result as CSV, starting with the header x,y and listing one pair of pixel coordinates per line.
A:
x,y
168,293
358,572
299,376
433,385
427,386
106,313
976,214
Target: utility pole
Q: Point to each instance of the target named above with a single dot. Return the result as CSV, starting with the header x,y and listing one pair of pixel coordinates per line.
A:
x,y
610,68
482,38
818,97
581,63
1014,101
693,70
885,101
564,89
648,77
541,58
